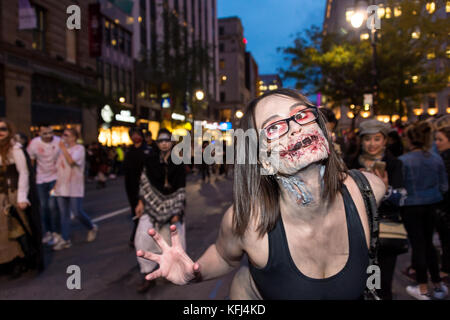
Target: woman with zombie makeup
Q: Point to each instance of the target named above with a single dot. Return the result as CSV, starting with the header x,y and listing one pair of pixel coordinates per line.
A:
x,y
161,202
297,214
69,188
376,158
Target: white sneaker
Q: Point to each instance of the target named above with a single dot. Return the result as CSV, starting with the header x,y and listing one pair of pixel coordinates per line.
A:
x,y
414,291
62,245
440,293
47,237
92,234
56,237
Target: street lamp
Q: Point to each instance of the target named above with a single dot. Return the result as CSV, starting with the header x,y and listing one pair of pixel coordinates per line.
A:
x,y
199,94
356,21
239,114
121,99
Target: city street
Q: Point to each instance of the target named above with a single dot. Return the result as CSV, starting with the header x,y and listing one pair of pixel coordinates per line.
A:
x,y
108,266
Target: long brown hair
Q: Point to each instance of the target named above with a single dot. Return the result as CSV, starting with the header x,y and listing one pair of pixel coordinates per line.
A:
x,y
254,193
420,135
6,144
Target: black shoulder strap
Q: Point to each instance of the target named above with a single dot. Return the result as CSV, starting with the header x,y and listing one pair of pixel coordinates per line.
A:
x,y
372,212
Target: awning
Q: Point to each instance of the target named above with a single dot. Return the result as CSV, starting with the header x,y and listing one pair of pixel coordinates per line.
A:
x,y
44,113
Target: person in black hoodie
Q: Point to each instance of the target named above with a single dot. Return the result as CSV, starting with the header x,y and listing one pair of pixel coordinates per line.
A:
x,y
132,168
374,136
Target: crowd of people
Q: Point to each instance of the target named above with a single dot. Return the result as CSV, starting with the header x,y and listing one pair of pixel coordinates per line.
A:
x,y
303,226
291,224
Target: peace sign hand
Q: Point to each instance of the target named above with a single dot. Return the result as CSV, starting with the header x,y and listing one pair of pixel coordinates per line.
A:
x,y
174,264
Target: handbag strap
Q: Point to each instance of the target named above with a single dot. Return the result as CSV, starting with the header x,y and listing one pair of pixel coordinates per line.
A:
x,y
372,213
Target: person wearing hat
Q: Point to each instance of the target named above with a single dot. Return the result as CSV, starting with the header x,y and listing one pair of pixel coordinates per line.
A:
x,y
376,158
132,169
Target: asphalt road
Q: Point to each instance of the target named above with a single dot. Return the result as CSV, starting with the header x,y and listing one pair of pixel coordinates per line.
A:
x,y
108,265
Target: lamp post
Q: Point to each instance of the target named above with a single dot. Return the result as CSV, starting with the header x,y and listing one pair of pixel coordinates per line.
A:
x,y
356,21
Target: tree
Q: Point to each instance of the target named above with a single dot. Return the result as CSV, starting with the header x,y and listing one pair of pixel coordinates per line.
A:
x,y
174,66
339,65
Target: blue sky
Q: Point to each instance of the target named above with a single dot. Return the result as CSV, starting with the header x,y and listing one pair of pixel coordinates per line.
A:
x,y
269,24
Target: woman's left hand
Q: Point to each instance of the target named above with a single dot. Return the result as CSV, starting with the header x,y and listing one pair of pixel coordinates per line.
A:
x,y
62,145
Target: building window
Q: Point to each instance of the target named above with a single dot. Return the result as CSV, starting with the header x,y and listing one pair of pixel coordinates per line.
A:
x,y
100,75
121,40
39,33
71,46
222,64
431,102
114,37
107,79
107,31
221,47
221,31
129,88
127,44
222,97
223,79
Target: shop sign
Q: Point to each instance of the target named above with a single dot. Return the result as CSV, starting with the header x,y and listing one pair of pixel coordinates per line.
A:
x,y
107,114
165,103
125,116
27,16
177,116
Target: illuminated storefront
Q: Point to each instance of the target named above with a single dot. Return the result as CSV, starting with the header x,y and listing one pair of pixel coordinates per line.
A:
x,y
115,127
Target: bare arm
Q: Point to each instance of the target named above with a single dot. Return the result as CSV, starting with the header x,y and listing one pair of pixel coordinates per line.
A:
x,y
177,267
225,255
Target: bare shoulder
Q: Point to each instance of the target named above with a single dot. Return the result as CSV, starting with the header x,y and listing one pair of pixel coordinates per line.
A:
x,y
378,187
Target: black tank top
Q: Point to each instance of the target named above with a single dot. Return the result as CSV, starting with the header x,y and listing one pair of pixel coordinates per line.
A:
x,y
280,279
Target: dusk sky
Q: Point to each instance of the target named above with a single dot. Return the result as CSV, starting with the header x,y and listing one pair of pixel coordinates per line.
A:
x,y
269,24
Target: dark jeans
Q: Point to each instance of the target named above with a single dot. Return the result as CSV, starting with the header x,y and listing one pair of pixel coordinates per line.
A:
x,y
444,237
204,168
49,210
419,222
386,262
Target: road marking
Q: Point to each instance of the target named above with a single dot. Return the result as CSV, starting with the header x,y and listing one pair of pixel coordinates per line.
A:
x,y
111,214
214,291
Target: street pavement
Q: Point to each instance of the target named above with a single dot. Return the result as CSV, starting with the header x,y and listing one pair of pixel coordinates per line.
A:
x,y
108,265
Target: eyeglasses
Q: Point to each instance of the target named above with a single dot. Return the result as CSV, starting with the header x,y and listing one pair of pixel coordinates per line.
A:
x,y
163,140
65,135
3,129
279,128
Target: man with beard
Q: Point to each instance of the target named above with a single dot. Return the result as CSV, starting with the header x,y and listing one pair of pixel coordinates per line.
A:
x,y
132,168
301,220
